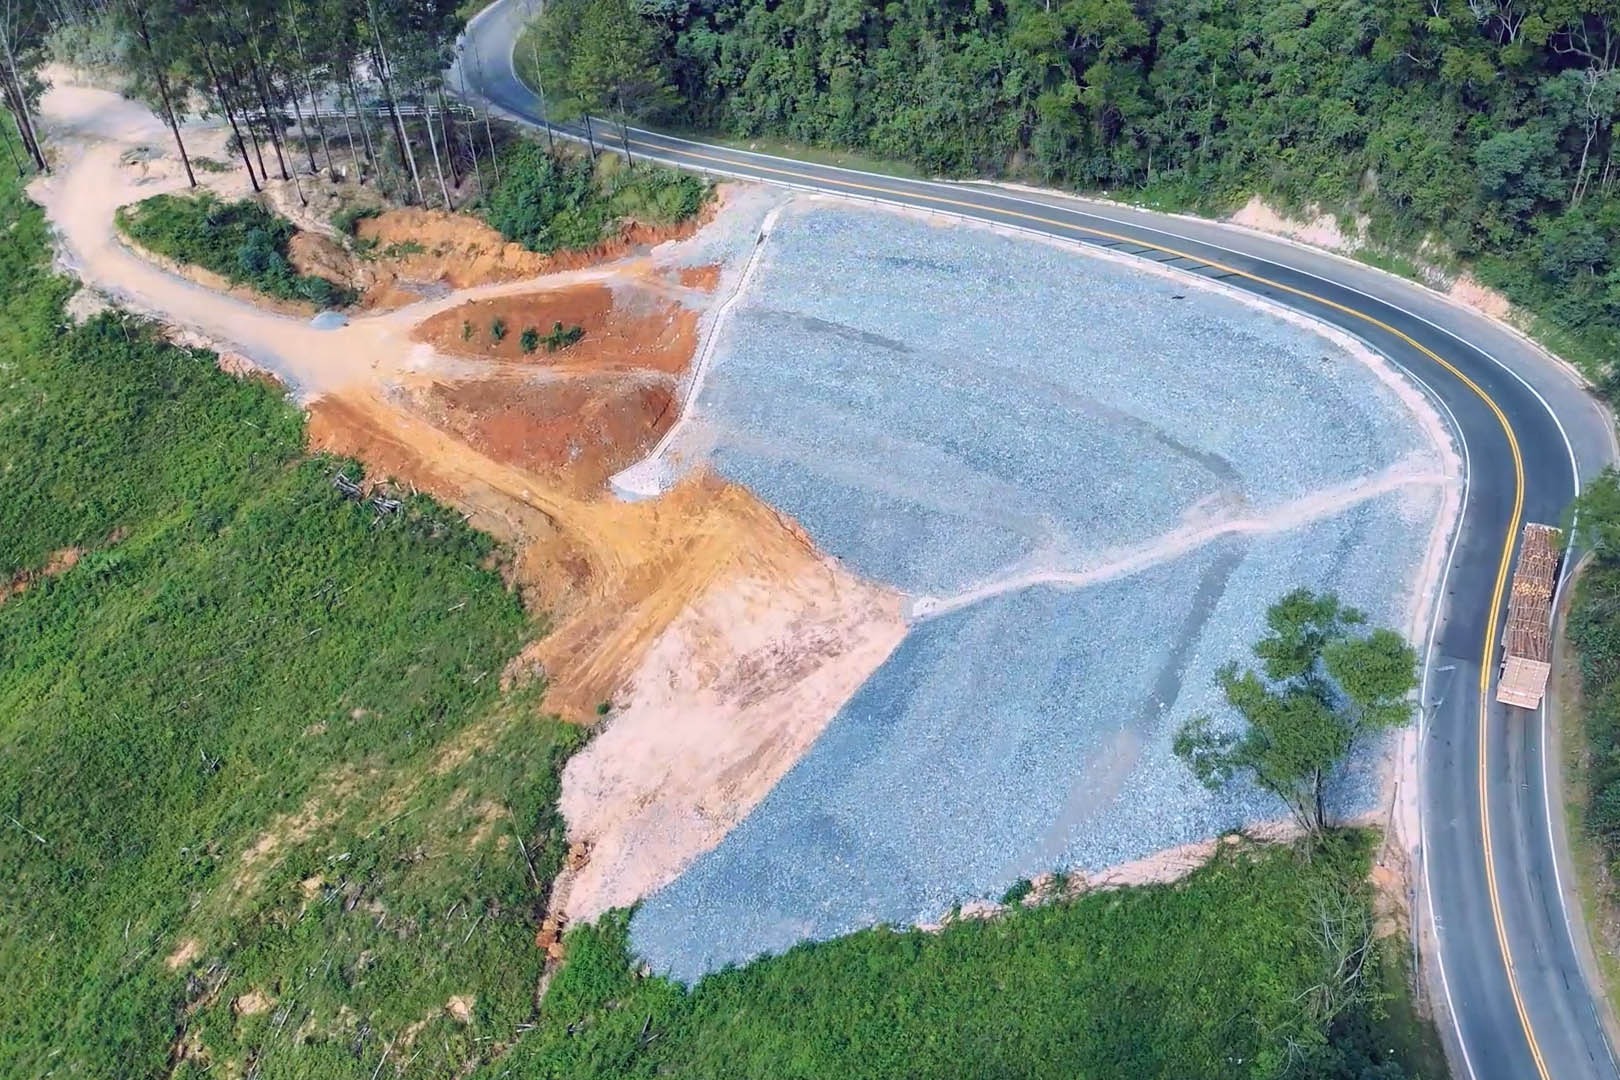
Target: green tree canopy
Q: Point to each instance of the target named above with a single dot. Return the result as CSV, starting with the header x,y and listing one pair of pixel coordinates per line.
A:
x,y
1325,686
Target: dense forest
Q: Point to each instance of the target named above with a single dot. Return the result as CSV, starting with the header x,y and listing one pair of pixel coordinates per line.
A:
x,y
1484,127
358,85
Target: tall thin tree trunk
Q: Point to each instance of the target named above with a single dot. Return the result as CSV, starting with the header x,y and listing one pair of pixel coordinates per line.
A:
x,y
12,149
19,114
360,118
309,87
393,107
348,131
427,122
247,118
624,131
489,135
303,129
163,89
449,143
230,114
590,140
265,111
26,128
494,159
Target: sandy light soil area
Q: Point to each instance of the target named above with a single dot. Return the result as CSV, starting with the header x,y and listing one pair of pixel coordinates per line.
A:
x,y
706,625
724,641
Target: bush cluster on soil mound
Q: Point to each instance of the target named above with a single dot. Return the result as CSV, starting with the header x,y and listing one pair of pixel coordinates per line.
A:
x,y
552,201
263,800
1224,974
241,241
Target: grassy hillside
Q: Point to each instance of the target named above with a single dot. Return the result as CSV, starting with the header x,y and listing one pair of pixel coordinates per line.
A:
x,y
261,801
264,809
241,241
1215,977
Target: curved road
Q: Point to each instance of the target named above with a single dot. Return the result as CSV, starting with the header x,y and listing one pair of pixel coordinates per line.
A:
x,y
1506,972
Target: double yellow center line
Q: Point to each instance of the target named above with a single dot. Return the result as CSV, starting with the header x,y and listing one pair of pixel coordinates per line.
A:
x,y
975,210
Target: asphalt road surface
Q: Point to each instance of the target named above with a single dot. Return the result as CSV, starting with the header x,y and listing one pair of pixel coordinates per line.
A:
x,y
1512,994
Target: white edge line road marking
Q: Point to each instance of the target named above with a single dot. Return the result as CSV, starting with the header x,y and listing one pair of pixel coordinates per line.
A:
x,y
1467,481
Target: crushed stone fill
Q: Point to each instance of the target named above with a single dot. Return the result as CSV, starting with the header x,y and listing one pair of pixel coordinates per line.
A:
x,y
1025,733
935,405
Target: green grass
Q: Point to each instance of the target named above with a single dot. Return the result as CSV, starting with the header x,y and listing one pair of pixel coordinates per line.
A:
x,y
241,241
257,716
261,720
1591,852
558,201
1206,978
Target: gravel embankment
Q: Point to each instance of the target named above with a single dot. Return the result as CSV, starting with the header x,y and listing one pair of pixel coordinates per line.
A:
x,y
942,407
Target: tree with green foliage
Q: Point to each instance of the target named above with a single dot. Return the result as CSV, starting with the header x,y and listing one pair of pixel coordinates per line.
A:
x,y
1322,688
1596,514
601,56
1481,130
548,201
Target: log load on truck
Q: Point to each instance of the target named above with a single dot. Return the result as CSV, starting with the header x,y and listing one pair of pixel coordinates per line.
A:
x,y
1527,640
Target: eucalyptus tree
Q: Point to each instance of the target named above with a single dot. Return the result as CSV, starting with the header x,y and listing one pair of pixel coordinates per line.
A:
x,y
21,28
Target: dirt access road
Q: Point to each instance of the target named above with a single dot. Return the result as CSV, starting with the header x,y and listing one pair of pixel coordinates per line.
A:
x,y
723,640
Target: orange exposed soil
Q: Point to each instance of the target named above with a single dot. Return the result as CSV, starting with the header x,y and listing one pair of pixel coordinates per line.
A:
x,y
60,562
703,278
626,327
580,430
723,639
613,575
416,250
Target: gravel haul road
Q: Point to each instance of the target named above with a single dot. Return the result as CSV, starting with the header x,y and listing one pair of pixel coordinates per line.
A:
x,y
1498,938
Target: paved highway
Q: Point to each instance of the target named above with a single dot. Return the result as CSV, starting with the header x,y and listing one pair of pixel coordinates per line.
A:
x,y
1501,959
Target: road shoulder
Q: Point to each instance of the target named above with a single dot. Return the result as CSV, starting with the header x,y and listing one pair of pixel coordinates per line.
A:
x,y
1591,888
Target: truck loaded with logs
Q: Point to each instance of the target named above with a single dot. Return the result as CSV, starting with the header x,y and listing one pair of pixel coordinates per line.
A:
x,y
1527,639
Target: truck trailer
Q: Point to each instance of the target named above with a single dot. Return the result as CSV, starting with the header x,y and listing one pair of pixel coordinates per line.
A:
x,y
1527,639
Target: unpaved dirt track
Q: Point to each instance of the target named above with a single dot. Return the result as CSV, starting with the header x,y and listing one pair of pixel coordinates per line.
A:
x,y
704,616
1504,966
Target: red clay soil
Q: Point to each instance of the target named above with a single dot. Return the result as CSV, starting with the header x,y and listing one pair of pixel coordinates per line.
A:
x,y
580,430
702,278
412,248
59,563
627,329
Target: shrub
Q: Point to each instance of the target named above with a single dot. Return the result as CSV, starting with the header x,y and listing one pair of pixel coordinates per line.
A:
x,y
1017,893
529,340
561,338
497,330
241,241
548,202
348,219
466,330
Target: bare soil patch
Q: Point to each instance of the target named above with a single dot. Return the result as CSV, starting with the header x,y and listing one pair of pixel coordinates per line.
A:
x,y
412,252
581,430
626,327
702,278
60,562
750,638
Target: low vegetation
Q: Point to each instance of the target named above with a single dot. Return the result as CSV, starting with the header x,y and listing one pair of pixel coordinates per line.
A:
x,y
1324,686
1230,973
1455,128
550,201
1265,962
241,241
264,808
1594,630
